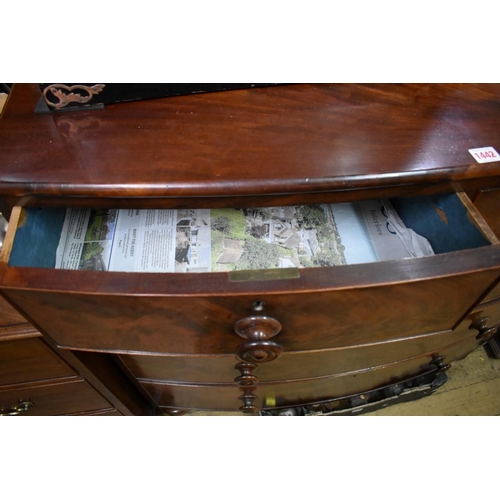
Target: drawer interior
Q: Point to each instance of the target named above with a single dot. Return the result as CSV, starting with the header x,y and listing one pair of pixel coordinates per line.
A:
x,y
443,220
448,221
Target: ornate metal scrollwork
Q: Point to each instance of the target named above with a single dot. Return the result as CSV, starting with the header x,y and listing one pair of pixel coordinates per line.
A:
x,y
21,407
65,94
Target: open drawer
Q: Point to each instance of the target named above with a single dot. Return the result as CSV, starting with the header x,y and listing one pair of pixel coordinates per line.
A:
x,y
312,308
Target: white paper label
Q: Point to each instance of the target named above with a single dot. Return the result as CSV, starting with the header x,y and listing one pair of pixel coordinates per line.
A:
x,y
485,155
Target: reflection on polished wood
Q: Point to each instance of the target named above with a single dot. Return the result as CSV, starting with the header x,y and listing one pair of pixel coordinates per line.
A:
x,y
166,343
288,142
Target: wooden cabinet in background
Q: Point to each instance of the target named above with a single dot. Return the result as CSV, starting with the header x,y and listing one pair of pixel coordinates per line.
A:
x,y
35,380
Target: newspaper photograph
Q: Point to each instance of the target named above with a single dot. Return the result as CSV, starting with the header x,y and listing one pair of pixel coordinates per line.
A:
x,y
234,239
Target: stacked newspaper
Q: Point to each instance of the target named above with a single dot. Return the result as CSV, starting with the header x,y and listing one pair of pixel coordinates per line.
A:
x,y
235,239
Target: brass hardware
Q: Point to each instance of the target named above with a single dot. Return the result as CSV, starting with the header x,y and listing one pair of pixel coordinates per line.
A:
x,y
65,95
21,407
286,273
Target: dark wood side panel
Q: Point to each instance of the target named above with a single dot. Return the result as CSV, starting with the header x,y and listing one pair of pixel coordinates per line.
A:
x,y
102,372
488,203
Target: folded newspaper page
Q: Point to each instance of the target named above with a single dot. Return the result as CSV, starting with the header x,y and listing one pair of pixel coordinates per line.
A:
x,y
390,237
234,239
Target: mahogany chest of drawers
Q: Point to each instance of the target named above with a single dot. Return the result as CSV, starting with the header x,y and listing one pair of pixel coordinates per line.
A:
x,y
219,341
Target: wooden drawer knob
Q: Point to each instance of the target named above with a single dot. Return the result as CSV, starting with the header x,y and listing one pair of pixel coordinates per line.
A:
x,y
439,364
257,349
258,330
257,327
485,332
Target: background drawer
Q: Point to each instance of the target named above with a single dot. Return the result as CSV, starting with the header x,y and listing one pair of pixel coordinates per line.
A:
x,y
225,397
12,324
292,366
55,399
489,311
28,360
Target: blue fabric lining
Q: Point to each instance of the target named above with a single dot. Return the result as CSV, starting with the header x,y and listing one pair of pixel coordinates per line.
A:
x,y
36,241
442,219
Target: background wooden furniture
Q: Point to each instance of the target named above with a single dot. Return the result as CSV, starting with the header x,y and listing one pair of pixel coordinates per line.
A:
x,y
36,380
345,330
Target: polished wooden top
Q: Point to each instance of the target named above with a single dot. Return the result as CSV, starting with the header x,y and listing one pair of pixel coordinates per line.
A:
x,y
300,138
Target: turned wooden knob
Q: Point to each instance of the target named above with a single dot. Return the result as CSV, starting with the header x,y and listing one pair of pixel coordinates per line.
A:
x,y
258,330
485,332
439,364
246,378
257,327
248,399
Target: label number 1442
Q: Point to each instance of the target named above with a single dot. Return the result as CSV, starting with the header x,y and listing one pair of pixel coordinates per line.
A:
x,y
485,155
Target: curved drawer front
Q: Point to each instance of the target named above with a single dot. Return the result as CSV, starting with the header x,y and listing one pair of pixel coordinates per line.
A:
x,y
226,397
291,366
313,308
324,308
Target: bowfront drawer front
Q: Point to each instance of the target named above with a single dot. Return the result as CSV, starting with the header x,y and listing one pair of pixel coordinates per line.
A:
x,y
51,399
28,360
226,397
292,365
316,311
318,308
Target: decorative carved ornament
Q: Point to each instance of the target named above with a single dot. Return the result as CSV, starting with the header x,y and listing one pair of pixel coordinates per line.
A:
x,y
65,94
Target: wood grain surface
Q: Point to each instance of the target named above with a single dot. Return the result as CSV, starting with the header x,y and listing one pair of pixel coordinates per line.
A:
x,y
286,140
